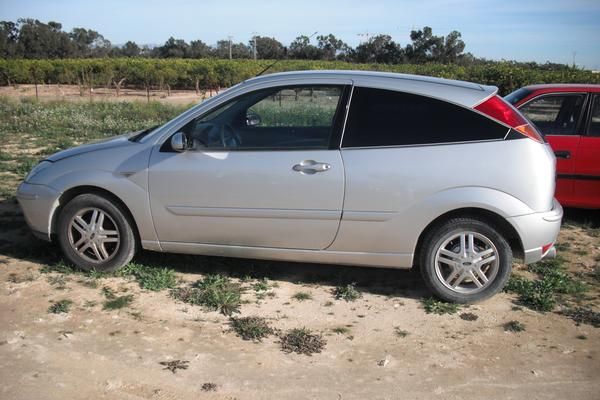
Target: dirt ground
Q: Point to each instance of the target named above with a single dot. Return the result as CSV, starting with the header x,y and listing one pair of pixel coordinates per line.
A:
x,y
73,93
386,346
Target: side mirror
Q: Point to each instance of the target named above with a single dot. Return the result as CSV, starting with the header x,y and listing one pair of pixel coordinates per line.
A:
x,y
179,142
252,119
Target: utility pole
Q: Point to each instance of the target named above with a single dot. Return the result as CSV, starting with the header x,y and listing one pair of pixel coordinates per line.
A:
x,y
363,35
254,37
230,37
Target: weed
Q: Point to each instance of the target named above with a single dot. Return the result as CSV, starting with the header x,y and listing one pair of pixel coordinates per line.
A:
x,y
137,315
302,341
347,292
61,306
209,387
595,274
60,267
584,315
543,294
435,306
90,303
580,252
341,330
563,246
514,326
302,296
117,303
581,337
251,328
400,332
27,277
174,365
151,278
261,286
216,292
469,316
328,303
108,293
58,281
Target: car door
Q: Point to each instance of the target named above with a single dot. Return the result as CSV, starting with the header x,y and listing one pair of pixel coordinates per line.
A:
x,y
558,117
586,191
264,170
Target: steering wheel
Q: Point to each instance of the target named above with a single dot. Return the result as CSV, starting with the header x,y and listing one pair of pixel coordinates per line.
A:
x,y
229,138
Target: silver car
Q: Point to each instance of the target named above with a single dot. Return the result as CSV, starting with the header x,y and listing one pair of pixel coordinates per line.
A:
x,y
341,167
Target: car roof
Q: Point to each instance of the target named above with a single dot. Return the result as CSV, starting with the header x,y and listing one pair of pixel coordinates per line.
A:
x,y
466,93
564,87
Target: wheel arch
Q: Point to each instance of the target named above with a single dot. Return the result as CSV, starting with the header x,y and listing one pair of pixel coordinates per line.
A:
x,y
495,220
73,192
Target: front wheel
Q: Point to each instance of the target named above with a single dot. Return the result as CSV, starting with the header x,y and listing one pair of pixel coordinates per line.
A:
x,y
94,233
465,260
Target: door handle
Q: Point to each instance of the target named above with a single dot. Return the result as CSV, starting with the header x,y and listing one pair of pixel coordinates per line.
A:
x,y
562,154
310,167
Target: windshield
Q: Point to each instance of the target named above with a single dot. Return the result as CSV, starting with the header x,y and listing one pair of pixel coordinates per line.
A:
x,y
517,96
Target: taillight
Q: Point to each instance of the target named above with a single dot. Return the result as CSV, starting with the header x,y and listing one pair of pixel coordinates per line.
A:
x,y
495,107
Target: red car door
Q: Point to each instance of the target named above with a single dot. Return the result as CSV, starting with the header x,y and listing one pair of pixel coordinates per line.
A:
x,y
586,190
558,117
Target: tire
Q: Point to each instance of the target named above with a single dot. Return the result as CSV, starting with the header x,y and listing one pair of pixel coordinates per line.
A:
x,y
94,233
469,276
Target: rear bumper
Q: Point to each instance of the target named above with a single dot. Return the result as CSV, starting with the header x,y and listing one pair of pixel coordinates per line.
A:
x,y
38,203
538,233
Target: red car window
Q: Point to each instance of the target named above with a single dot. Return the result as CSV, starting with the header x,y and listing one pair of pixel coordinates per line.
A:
x,y
555,114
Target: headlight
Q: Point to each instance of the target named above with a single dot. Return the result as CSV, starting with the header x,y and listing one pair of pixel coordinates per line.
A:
x,y
35,170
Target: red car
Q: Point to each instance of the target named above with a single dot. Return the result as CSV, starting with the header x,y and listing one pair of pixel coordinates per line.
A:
x,y
569,118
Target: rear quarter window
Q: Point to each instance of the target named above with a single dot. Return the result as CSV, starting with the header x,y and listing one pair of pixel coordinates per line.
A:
x,y
381,117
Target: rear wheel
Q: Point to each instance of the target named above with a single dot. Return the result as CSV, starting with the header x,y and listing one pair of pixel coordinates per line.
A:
x,y
94,233
465,260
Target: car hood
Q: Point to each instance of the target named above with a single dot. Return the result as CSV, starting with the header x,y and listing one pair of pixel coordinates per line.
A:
x,y
115,141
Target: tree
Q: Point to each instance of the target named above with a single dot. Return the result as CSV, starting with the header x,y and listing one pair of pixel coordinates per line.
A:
x,y
89,43
130,49
301,49
199,49
268,48
330,46
39,40
238,50
9,33
379,49
173,48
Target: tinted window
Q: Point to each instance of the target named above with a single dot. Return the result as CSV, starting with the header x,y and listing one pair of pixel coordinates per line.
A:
x,y
594,129
517,96
555,114
278,118
388,118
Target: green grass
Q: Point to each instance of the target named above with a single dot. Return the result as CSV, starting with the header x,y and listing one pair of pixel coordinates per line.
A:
x,y
149,277
435,306
302,341
554,285
118,302
514,326
251,328
61,306
215,292
347,292
54,126
584,315
302,296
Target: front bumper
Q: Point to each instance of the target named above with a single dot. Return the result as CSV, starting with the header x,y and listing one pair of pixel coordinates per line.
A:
x,y
38,203
538,232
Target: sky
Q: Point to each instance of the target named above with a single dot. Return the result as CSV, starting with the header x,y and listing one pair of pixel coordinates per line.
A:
x,y
523,30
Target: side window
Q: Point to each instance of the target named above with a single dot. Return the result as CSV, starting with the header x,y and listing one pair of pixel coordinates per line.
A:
x,y
388,118
300,117
594,129
555,114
